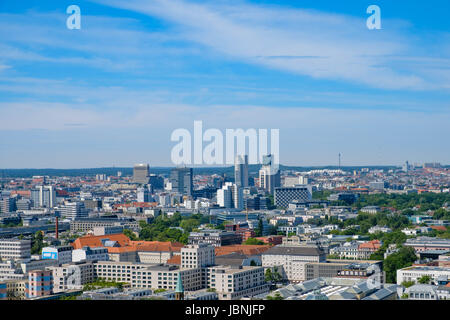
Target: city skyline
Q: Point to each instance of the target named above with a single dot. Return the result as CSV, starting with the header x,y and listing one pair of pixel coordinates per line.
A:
x,y
112,92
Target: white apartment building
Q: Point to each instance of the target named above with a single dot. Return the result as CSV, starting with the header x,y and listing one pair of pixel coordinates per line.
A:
x,y
291,260
233,283
195,256
72,276
148,276
74,210
415,272
11,249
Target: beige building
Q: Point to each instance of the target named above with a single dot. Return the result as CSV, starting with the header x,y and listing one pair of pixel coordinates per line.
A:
x,y
72,276
291,260
233,283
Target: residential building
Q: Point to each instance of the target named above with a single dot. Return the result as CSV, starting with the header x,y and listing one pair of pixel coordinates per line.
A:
x,y
40,283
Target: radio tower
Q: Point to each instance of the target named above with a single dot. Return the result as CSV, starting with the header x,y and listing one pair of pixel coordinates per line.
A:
x,y
339,161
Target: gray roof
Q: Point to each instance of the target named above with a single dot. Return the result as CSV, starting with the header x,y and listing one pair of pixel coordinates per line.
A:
x,y
294,251
232,259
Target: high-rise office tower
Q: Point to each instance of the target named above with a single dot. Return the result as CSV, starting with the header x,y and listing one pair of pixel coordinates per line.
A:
x,y
241,171
143,194
181,179
269,174
230,196
43,196
141,173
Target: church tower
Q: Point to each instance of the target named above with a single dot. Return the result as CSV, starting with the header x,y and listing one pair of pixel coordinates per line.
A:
x,y
179,291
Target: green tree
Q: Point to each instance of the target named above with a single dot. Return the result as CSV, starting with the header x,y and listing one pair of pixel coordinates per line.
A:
x,y
424,280
37,242
398,260
130,234
253,241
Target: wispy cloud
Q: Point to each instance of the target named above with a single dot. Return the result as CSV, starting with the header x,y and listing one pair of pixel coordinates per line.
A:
x,y
338,47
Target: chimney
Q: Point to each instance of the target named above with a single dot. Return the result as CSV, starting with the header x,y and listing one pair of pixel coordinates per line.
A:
x,y
56,228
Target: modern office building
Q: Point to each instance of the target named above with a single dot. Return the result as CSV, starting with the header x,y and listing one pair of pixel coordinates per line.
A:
x,y
256,202
269,174
12,249
7,205
241,171
143,194
74,210
285,195
157,182
230,196
43,197
141,173
215,238
23,204
182,180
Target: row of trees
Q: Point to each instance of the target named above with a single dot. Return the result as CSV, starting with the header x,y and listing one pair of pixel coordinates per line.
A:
x,y
427,201
365,221
174,228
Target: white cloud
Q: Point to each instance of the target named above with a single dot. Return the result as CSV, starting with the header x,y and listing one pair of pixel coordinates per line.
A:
x,y
332,46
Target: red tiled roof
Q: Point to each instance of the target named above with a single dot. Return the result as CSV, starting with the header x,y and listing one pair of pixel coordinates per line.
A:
x,y
96,241
249,250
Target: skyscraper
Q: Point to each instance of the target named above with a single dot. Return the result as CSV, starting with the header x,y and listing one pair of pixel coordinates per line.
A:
x,y
143,194
269,174
43,196
181,179
141,173
241,171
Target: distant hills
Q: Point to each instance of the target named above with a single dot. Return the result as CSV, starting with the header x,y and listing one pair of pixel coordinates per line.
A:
x,y
112,171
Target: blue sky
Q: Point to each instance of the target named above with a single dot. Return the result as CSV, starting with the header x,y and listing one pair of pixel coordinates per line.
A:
x,y
112,92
